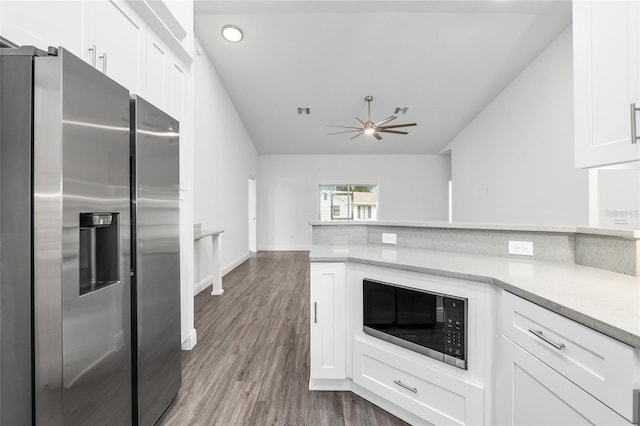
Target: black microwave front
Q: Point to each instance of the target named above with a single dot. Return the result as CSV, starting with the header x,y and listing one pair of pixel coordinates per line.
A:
x,y
429,323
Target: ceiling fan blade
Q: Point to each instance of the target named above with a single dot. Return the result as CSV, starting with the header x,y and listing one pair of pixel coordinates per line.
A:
x,y
346,131
393,131
385,121
346,127
351,138
377,136
360,121
397,125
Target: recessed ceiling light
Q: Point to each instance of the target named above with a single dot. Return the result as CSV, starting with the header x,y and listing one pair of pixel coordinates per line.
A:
x,y
232,33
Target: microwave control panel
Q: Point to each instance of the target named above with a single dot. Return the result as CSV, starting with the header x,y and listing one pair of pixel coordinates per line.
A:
x,y
454,328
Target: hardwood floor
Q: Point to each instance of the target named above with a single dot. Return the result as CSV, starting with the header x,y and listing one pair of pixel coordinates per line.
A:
x,y
251,363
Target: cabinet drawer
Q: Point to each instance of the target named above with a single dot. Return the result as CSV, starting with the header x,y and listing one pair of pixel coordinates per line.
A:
x,y
602,366
433,395
531,393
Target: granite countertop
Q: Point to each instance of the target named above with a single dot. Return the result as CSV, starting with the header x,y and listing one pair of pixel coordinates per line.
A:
x,y
604,301
626,233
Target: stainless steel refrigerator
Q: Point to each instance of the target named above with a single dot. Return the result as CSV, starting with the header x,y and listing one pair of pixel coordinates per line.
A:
x,y
65,295
156,258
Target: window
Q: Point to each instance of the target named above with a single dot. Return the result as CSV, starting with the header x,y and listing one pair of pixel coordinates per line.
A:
x,y
364,212
347,202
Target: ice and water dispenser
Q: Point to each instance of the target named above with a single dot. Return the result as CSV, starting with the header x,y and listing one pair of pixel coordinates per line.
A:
x,y
99,251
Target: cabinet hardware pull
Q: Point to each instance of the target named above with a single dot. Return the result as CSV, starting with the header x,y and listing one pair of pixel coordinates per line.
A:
x,y
636,406
92,50
407,387
315,312
104,62
634,134
539,334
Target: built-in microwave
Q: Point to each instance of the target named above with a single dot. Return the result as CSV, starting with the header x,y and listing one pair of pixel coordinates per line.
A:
x,y
432,324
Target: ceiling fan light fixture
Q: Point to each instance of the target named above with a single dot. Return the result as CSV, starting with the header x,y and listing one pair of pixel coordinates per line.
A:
x,y
232,33
372,128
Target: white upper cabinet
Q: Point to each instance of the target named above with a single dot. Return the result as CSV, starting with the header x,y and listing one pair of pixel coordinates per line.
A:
x,y
43,23
606,40
114,42
164,78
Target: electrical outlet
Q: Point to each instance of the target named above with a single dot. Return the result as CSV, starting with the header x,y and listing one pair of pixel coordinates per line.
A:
x,y
388,238
621,217
521,248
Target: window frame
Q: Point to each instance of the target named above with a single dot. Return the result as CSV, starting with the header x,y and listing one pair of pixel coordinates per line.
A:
x,y
324,194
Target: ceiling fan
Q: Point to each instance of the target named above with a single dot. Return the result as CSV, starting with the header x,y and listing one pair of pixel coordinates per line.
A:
x,y
371,128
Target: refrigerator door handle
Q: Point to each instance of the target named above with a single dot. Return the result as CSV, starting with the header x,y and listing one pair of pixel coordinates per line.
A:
x,y
104,62
92,52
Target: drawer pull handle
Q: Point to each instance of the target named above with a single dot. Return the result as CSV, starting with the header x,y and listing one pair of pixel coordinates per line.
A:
x,y
407,387
539,334
315,312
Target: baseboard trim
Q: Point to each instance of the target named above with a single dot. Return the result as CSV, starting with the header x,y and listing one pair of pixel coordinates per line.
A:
x,y
329,384
233,265
191,341
217,292
206,282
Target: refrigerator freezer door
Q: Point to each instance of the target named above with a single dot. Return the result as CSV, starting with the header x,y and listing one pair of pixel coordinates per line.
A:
x,y
16,80
157,258
81,164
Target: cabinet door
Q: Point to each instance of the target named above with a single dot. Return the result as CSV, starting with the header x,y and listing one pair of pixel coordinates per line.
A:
x,y
529,393
164,78
156,71
114,41
175,89
328,314
43,23
606,40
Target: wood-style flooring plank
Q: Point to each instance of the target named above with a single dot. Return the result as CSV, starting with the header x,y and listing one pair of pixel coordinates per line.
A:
x,y
251,363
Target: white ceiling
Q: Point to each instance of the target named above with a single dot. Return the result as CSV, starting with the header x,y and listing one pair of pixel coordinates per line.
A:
x,y
444,60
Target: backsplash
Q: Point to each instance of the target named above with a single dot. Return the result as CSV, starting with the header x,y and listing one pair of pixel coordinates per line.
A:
x,y
612,251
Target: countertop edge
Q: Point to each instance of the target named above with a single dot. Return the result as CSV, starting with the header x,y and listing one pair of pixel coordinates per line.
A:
x,y
579,317
202,234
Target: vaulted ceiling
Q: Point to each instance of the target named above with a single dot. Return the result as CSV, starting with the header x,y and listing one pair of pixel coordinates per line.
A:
x,y
443,60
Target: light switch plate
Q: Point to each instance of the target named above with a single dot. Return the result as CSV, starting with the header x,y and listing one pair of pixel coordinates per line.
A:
x,y
521,248
388,238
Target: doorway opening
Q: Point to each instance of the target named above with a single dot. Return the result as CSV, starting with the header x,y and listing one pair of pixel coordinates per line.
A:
x,y
253,246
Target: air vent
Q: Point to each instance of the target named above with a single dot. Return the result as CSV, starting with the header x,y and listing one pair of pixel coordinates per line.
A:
x,y
304,110
401,110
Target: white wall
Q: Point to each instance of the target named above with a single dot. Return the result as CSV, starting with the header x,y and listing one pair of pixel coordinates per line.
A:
x,y
514,163
224,159
410,187
618,195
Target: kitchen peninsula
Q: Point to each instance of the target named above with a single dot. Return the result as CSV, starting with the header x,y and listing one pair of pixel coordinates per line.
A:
x,y
561,315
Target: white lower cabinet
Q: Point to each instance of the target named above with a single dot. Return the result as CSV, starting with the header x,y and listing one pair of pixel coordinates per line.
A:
x,y
530,393
555,371
328,321
433,395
